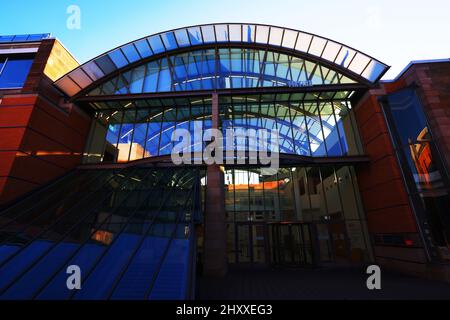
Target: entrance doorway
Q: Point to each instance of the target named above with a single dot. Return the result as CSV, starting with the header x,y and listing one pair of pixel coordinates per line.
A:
x,y
250,242
291,244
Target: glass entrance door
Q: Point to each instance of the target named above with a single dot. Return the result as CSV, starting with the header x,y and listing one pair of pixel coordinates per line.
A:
x,y
251,242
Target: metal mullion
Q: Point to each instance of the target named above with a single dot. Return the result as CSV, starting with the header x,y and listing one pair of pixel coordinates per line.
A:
x,y
163,108
145,138
81,246
150,47
158,62
145,76
307,128
132,135
324,47
296,40
171,71
303,67
291,128
103,254
337,128
323,190
262,67
368,63
135,48
47,251
321,127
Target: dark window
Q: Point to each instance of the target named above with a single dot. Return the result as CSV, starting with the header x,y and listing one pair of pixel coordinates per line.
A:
x,y
424,171
14,71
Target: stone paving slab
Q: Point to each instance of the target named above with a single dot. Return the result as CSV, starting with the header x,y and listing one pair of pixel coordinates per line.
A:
x,y
312,284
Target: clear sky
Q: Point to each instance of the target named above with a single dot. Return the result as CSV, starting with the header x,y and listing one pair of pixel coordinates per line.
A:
x,y
393,31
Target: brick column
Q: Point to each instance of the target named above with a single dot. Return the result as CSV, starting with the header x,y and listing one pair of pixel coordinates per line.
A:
x,y
215,239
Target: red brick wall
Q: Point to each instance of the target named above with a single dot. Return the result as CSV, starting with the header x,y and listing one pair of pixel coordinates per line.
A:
x,y
383,192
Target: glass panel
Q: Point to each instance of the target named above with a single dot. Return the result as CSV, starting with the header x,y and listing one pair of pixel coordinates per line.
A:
x,y
182,37
276,35
131,53
359,63
169,41
93,70
80,78
208,34
317,46
195,35
235,32
118,58
143,48
15,72
248,33
289,38
156,44
303,42
373,70
262,34
222,33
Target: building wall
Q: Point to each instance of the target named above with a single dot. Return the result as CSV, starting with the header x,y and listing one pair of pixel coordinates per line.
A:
x,y
41,137
385,198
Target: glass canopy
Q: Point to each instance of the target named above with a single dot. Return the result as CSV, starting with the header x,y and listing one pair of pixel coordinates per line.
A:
x,y
223,68
345,59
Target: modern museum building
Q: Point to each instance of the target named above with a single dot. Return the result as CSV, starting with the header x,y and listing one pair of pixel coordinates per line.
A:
x,y
87,176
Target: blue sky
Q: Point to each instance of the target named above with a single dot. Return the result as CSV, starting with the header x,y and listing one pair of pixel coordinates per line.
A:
x,y
394,31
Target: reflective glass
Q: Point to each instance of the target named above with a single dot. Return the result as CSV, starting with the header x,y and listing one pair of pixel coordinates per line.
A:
x,y
15,72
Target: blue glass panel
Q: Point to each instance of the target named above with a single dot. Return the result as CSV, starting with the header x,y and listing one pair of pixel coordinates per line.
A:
x,y
169,41
156,44
85,258
172,280
15,72
105,63
195,35
136,281
137,79
208,34
143,48
118,58
131,53
40,273
153,135
182,37
98,284
165,80
151,79
21,261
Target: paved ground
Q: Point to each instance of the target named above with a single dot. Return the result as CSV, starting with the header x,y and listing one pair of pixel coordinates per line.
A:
x,y
324,284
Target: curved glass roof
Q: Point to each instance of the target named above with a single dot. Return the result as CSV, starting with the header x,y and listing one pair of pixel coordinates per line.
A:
x,y
224,68
347,60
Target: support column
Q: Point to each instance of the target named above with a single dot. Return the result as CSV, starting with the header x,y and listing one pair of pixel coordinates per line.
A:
x,y
215,238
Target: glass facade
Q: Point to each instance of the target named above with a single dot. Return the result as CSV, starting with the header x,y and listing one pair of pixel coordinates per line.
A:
x,y
222,68
143,129
327,197
426,176
308,126
14,71
129,230
341,57
313,128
